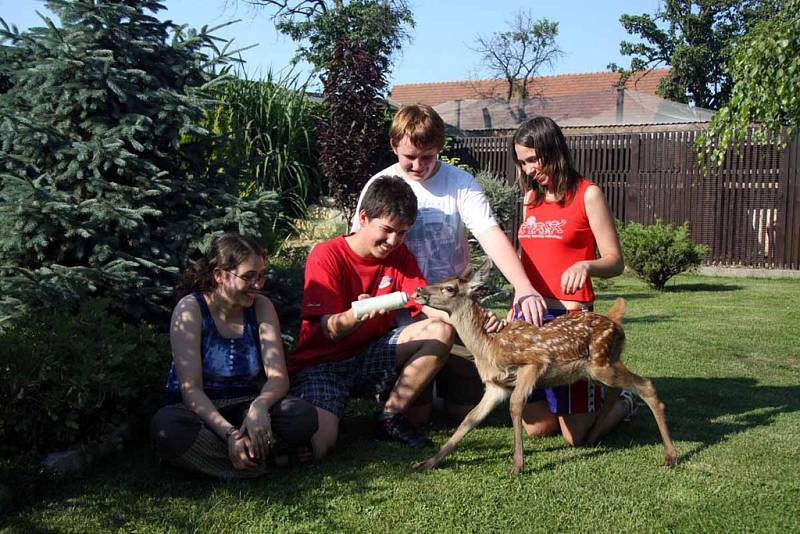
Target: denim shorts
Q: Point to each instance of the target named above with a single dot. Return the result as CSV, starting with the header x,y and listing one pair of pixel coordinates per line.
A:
x,y
369,373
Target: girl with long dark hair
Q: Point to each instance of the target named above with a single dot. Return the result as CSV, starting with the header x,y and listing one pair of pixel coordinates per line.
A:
x,y
567,236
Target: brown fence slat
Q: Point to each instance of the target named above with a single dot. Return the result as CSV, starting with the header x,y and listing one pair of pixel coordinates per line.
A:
x,y
747,212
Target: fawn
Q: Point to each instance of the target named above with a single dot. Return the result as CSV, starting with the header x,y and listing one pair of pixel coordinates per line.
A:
x,y
522,357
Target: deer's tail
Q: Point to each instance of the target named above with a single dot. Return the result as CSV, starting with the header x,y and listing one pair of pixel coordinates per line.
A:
x,y
617,311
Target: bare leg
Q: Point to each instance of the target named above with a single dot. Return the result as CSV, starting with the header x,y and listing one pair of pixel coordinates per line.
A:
x,y
537,420
324,439
493,396
609,416
422,349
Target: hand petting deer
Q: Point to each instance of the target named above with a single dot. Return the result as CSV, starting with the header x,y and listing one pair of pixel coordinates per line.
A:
x,y
522,357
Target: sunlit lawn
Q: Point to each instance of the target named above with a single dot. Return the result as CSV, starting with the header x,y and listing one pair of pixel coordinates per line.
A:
x,y
724,354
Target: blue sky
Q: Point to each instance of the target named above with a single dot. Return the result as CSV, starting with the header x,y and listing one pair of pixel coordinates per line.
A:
x,y
589,32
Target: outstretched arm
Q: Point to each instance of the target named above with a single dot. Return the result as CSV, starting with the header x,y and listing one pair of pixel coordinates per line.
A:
x,y
335,326
497,246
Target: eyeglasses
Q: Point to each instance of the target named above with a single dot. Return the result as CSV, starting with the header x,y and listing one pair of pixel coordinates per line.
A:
x,y
251,277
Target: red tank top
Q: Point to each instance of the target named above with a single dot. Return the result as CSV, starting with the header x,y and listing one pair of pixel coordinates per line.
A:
x,y
553,238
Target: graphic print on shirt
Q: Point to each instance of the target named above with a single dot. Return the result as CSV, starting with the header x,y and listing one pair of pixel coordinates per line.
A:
x,y
386,281
435,242
553,229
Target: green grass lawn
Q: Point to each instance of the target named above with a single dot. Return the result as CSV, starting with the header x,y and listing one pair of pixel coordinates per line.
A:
x,y
724,354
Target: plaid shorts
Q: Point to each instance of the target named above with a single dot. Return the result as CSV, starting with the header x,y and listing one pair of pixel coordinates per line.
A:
x,y
583,396
367,374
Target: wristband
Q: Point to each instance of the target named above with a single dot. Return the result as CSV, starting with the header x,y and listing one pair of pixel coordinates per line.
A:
x,y
230,432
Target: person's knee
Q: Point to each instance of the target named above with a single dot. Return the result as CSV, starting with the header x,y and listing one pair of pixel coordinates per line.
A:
x,y
537,420
437,331
444,332
172,431
324,439
295,420
541,428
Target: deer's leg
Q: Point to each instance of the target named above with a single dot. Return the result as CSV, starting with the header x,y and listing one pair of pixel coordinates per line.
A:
x,y
618,376
526,380
493,396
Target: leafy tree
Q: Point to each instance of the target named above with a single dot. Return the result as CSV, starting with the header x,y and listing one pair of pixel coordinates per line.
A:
x,y
351,44
353,135
518,54
104,187
765,67
695,38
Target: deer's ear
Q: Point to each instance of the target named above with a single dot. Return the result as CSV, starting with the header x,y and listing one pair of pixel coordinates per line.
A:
x,y
479,277
466,274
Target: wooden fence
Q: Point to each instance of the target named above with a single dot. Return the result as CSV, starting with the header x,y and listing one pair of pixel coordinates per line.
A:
x,y
747,212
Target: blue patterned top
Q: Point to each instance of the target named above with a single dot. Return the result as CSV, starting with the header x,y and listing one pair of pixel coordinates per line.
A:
x,y
232,367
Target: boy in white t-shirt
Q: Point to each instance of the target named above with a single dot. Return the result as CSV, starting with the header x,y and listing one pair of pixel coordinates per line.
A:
x,y
449,201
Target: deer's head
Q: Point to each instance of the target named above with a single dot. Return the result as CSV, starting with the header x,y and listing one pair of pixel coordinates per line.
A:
x,y
448,294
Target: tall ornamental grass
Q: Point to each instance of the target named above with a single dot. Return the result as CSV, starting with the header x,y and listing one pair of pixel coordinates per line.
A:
x,y
268,139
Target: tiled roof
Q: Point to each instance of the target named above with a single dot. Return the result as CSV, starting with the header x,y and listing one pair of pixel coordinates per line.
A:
x,y
434,94
598,108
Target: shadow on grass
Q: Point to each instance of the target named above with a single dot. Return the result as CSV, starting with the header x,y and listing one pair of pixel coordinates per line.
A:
x,y
649,319
611,297
709,410
132,491
703,287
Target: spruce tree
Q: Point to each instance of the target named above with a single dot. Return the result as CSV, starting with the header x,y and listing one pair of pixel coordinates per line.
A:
x,y
105,187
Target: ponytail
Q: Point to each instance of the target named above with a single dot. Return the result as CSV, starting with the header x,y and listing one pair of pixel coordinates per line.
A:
x,y
226,253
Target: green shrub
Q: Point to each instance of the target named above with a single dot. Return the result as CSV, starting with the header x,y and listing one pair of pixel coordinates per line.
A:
x,y
68,378
657,252
502,197
284,286
448,155
267,140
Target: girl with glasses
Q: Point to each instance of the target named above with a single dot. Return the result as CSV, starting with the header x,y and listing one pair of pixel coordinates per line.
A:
x,y
226,408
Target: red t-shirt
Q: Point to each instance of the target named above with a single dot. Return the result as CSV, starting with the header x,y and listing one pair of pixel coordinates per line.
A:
x,y
335,276
554,237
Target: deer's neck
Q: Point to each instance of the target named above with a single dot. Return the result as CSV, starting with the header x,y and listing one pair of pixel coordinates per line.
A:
x,y
468,320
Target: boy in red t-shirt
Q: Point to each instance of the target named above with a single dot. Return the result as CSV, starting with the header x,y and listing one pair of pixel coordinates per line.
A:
x,y
338,354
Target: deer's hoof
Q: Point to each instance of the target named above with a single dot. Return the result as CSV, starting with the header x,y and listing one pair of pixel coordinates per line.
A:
x,y
421,467
670,460
516,470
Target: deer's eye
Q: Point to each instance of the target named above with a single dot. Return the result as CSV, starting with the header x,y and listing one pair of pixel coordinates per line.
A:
x,y
448,290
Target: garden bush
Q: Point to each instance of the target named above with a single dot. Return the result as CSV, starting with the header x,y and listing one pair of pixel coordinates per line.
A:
x,y
69,377
105,185
284,286
502,197
657,252
267,140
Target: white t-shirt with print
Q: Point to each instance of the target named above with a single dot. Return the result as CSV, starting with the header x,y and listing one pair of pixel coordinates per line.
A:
x,y
447,202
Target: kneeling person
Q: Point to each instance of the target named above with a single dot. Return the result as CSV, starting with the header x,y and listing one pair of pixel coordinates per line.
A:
x,y
338,354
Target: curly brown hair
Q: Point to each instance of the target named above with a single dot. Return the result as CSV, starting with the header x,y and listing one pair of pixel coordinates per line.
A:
x,y
226,253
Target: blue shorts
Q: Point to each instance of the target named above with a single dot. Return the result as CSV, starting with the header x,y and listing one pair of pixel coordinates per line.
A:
x,y
583,396
369,373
